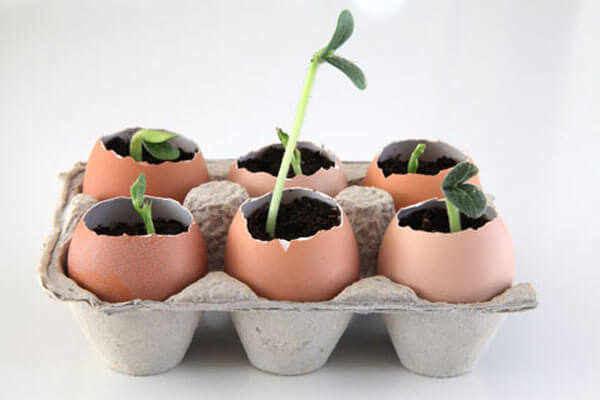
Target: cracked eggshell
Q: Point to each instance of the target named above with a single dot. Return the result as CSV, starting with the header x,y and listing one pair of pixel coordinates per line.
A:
x,y
330,181
314,268
148,267
408,189
472,265
110,175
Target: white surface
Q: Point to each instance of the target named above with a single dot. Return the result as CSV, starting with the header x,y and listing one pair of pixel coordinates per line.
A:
x,y
514,83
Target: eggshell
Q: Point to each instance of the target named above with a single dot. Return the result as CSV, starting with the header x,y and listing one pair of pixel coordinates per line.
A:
x,y
408,189
123,268
330,181
110,175
314,268
463,267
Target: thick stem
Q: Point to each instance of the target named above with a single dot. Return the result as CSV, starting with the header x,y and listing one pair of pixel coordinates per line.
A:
x,y
291,146
453,217
149,224
135,146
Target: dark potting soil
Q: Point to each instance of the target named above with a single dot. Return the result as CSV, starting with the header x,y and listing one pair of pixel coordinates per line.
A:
x,y
269,161
303,217
120,145
436,220
161,226
399,165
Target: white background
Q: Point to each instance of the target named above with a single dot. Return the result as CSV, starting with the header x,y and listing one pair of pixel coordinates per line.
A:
x,y
514,83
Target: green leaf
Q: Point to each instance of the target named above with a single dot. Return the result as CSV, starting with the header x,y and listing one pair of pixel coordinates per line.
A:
x,y
351,70
163,151
137,191
283,137
461,173
296,159
154,136
469,199
343,31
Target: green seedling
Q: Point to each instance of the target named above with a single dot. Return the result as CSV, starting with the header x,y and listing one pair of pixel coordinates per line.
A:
x,y
297,157
343,31
141,206
462,197
413,163
155,142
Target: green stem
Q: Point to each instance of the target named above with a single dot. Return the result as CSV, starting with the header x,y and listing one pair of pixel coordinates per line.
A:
x,y
413,163
291,146
453,217
135,146
149,224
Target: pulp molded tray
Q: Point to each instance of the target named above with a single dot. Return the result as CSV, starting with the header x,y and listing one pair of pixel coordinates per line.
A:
x,y
147,337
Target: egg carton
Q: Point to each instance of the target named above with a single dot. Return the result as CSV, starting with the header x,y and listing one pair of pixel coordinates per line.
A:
x,y
142,337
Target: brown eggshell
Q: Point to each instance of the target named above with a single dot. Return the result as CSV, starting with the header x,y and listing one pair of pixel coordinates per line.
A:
x,y
109,175
463,267
330,181
123,268
315,268
408,189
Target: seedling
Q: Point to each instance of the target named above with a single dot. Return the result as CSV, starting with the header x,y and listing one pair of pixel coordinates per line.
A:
x,y
297,157
413,163
343,31
462,197
155,142
142,207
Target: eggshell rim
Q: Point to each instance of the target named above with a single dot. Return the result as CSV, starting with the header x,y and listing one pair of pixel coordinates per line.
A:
x,y
197,150
168,202
331,155
464,156
490,209
311,192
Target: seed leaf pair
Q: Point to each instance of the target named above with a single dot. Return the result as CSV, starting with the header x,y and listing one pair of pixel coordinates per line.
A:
x,y
467,198
141,206
297,158
343,31
155,142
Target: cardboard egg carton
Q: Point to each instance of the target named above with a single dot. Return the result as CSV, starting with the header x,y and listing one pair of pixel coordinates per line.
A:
x,y
148,337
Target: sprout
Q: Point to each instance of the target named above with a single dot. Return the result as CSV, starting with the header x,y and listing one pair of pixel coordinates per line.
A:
x,y
143,208
297,158
155,142
343,31
462,197
413,163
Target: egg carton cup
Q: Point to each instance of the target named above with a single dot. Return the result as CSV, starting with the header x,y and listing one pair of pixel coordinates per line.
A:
x,y
143,337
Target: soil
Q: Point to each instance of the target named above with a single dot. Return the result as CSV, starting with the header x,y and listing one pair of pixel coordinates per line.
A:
x,y
303,217
436,220
162,227
270,160
399,165
120,145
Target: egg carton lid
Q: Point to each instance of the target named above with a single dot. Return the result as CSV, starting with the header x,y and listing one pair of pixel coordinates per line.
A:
x,y
218,291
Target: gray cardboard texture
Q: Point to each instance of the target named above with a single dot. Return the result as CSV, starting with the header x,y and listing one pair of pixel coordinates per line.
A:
x,y
289,343
413,323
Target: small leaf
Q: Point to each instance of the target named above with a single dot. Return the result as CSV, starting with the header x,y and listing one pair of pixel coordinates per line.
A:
x,y
163,151
351,70
137,191
296,160
469,199
154,136
343,31
461,173
283,137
